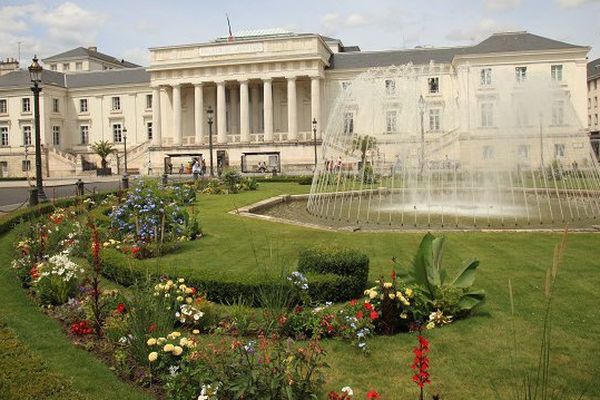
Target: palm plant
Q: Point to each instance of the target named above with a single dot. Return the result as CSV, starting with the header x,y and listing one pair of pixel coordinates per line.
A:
x,y
103,149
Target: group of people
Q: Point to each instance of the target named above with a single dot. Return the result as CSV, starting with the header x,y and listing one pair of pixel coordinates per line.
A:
x,y
195,166
330,166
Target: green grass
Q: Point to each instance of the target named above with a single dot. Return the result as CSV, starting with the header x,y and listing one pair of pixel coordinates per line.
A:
x,y
46,340
468,357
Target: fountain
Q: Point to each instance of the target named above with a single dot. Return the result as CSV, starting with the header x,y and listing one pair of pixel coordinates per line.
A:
x,y
394,158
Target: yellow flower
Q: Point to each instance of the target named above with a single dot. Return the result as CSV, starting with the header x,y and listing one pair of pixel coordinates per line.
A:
x,y
189,290
182,287
177,351
409,292
372,294
151,342
195,331
173,335
431,325
387,285
392,296
152,356
180,280
180,298
403,315
161,340
183,342
189,300
168,348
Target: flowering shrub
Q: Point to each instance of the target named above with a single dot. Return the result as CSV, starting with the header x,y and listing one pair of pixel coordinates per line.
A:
x,y
165,353
267,368
56,279
394,304
151,213
185,299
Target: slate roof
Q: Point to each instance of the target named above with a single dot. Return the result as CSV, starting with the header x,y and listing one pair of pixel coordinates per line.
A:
x,y
593,69
114,77
497,43
83,52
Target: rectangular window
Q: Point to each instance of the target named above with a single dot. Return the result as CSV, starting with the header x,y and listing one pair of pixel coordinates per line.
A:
x,y
391,121
149,130
83,105
559,150
117,133
347,87
56,135
26,165
558,112
520,74
434,119
4,136
55,106
487,115
84,134
390,87
78,66
523,152
66,66
556,72
116,103
595,119
486,76
348,123
434,85
26,104
148,102
27,136
595,101
53,67
3,106
488,152
595,84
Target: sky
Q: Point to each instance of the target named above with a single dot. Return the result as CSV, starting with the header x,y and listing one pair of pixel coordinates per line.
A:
x,y
126,29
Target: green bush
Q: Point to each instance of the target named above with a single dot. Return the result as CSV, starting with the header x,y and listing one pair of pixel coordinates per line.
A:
x,y
336,274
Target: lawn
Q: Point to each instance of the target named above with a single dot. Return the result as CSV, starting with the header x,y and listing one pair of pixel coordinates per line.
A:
x,y
469,358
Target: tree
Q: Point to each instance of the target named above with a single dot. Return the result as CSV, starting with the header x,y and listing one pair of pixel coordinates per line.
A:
x,y
103,149
363,144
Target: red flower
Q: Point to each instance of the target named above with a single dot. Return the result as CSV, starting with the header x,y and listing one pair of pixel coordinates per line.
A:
x,y
81,328
151,328
359,315
369,306
120,308
353,302
135,250
374,315
34,273
393,275
421,363
372,394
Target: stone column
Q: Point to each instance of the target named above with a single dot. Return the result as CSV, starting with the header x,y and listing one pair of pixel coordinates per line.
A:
x,y
244,115
221,113
315,104
234,98
255,113
177,134
292,112
156,120
199,113
268,109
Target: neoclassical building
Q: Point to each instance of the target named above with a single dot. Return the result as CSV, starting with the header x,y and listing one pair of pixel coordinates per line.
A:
x,y
264,89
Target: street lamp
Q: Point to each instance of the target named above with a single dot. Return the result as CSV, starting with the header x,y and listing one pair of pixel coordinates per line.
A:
x,y
421,112
209,113
314,124
125,175
35,72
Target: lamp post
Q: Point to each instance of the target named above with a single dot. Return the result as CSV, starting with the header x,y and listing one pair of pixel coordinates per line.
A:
x,y
35,72
125,178
314,124
422,158
209,113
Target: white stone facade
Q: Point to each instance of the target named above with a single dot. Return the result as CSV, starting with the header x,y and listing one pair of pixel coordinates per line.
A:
x,y
265,91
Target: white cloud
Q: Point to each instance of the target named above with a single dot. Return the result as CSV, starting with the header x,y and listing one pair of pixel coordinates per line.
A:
x,y
138,55
575,3
482,30
330,21
355,20
501,5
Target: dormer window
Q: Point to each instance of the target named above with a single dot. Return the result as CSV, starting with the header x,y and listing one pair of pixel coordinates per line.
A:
x,y
390,87
347,87
434,85
520,74
116,103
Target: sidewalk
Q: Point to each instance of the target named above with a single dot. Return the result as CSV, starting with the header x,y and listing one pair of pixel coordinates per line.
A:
x,y
62,181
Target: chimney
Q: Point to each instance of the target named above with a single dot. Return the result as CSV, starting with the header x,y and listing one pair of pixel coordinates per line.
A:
x,y
93,48
9,65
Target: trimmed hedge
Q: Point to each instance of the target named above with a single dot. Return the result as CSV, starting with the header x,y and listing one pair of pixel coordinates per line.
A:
x,y
350,267
127,271
300,179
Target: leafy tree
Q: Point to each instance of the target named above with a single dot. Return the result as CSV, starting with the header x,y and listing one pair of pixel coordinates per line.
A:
x,y
363,143
103,149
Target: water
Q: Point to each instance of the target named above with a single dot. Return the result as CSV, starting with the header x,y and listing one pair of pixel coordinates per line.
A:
x,y
512,156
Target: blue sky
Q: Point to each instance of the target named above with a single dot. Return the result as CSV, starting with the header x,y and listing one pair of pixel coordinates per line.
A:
x,y
127,28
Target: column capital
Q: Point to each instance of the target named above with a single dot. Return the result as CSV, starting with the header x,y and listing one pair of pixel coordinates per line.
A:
x,y
291,78
268,79
220,82
198,84
315,77
175,85
240,81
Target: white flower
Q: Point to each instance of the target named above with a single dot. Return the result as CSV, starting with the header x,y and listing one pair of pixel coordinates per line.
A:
x,y
348,390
